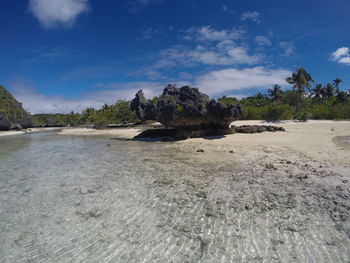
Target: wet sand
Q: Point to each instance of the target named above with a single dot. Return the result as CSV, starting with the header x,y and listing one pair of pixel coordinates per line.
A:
x,y
28,131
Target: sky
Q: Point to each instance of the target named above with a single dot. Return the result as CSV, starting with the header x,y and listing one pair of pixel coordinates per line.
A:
x,y
58,56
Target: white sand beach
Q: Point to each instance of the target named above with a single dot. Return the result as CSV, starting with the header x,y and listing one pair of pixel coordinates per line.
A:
x,y
314,138
26,131
123,133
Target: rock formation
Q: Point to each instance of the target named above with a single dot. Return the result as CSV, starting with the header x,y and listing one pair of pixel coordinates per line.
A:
x,y
256,128
12,114
190,112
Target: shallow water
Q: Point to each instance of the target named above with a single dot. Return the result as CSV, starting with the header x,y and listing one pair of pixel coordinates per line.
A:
x,y
342,141
93,199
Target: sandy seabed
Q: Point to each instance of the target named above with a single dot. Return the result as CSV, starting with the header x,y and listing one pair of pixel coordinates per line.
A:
x,y
269,197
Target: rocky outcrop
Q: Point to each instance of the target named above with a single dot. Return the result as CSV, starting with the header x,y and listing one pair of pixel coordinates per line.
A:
x,y
256,128
5,123
187,110
12,114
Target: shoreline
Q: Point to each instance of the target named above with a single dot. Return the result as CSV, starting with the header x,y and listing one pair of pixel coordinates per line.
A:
x,y
314,138
28,131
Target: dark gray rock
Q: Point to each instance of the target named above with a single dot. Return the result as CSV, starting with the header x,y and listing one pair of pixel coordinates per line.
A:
x,y
145,110
187,110
5,123
256,128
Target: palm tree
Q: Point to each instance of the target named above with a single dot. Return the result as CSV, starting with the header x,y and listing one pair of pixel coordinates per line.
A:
x,y
275,93
337,82
329,90
318,93
301,81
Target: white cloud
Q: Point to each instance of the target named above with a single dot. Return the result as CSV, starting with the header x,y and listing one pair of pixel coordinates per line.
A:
x,y
345,60
287,48
341,55
53,13
233,79
224,53
35,102
251,15
208,33
263,41
340,52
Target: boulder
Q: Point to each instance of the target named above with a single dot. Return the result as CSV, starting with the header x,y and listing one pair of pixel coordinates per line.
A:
x,y
187,110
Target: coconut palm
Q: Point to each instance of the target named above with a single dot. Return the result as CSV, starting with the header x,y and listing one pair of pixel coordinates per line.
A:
x,y
329,90
318,92
300,80
337,82
275,93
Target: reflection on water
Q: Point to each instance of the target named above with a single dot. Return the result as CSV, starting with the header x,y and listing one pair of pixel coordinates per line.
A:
x,y
342,141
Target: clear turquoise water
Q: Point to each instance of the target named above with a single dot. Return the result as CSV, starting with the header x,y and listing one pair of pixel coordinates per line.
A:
x,y
62,199
93,199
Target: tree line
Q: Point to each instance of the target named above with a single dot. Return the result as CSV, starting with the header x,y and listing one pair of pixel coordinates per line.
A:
x,y
117,113
306,99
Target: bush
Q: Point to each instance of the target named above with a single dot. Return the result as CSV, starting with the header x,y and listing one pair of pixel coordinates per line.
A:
x,y
305,116
279,112
254,112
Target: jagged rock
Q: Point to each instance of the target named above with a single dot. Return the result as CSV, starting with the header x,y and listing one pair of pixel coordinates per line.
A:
x,y
144,109
181,133
256,128
192,113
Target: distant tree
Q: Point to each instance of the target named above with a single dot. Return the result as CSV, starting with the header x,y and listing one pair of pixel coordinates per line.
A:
x,y
317,93
275,93
341,96
88,115
228,100
329,90
336,83
260,96
300,80
123,113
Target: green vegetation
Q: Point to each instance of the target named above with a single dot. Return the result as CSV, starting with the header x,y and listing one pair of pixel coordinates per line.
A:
x,y
302,102
12,112
118,113
10,107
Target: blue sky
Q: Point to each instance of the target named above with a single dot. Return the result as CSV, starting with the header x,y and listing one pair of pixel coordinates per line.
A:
x,y
64,55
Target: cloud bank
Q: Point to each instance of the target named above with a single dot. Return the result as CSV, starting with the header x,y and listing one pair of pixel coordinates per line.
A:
x,y
214,83
341,55
55,13
233,79
35,102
